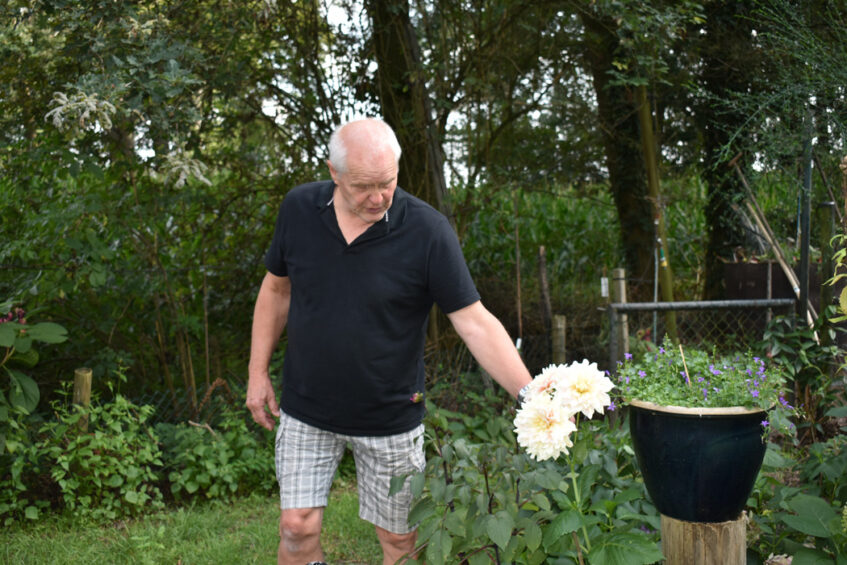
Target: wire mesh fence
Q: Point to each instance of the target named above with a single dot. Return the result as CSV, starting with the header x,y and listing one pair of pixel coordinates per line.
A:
x,y
722,325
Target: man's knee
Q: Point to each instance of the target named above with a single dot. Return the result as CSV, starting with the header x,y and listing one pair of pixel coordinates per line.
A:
x,y
399,543
300,524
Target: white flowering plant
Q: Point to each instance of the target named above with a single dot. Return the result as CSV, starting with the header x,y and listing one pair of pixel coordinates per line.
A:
x,y
547,418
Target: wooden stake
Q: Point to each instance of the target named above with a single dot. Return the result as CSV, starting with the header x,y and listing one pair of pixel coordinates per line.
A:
x,y
559,335
82,393
619,296
685,366
704,543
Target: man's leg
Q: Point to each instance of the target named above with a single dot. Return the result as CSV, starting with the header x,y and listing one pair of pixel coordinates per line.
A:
x,y
300,536
306,459
378,461
395,546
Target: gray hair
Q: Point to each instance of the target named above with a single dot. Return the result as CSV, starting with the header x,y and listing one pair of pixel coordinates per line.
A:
x,y
384,136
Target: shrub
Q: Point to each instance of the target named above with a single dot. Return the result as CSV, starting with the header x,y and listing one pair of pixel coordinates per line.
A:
x,y
107,471
215,463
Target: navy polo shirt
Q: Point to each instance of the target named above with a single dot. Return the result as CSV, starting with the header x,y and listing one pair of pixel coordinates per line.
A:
x,y
358,314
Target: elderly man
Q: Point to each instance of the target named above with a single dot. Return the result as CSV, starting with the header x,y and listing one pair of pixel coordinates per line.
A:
x,y
354,268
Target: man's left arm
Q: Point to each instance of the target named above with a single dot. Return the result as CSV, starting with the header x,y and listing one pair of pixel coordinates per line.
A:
x,y
491,346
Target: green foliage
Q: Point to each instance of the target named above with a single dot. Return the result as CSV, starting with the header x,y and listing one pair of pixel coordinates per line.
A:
x,y
109,470
19,395
484,501
809,367
219,464
806,520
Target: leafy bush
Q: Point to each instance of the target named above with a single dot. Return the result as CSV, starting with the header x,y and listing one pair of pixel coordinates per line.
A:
x,y
216,464
485,501
799,506
109,470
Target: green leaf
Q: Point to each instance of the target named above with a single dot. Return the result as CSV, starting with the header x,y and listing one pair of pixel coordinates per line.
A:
x,y
499,528
422,510
808,556
624,549
7,335
31,513
439,548
24,392
564,523
397,484
131,497
47,332
23,343
417,484
813,516
837,412
28,359
541,501
532,535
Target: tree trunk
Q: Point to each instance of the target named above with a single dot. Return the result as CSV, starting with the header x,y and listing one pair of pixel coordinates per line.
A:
x,y
621,143
726,54
405,101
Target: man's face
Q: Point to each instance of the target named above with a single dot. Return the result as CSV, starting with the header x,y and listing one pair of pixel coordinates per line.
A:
x,y
366,189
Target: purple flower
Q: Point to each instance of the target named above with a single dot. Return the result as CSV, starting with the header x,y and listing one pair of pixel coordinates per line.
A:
x,y
705,394
642,374
755,393
765,423
627,356
713,370
611,407
662,350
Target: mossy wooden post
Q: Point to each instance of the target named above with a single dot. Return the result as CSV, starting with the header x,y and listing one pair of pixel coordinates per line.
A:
x,y
82,393
704,543
559,340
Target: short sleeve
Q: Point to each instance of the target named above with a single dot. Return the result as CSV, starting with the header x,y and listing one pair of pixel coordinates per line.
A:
x,y
448,277
275,257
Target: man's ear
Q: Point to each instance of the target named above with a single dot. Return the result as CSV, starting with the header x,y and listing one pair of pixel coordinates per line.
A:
x,y
332,172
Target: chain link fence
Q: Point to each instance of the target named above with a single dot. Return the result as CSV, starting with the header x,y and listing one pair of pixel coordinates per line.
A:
x,y
725,325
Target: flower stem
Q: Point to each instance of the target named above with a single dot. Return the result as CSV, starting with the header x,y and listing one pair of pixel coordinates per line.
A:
x,y
578,501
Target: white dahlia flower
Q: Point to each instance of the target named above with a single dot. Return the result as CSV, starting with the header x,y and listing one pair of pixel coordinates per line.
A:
x,y
544,427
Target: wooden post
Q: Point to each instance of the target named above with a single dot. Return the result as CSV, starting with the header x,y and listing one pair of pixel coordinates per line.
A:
x,y
704,543
619,296
559,340
82,393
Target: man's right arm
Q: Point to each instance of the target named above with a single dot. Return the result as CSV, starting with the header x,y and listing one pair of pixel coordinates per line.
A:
x,y
269,318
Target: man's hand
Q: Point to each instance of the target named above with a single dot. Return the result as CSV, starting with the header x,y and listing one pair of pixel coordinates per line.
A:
x,y
260,394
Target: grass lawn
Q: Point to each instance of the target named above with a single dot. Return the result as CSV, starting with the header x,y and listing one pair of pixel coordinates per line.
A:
x,y
243,531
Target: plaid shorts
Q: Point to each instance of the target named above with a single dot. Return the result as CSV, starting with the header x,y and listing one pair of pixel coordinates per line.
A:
x,y
307,457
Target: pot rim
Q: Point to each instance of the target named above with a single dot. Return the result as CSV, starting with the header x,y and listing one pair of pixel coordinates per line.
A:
x,y
696,411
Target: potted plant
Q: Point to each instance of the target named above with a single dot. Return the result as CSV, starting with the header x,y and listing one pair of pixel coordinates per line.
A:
x,y
699,423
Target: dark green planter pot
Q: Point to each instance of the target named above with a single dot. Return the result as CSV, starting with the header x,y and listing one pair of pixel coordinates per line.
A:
x,y
699,464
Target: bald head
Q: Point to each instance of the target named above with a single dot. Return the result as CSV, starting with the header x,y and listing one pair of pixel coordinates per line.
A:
x,y
369,135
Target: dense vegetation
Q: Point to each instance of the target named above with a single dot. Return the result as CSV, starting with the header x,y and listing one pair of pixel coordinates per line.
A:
x,y
145,147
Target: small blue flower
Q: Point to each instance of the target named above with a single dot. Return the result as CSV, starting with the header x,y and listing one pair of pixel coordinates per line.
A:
x,y
627,356
611,406
765,423
642,374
